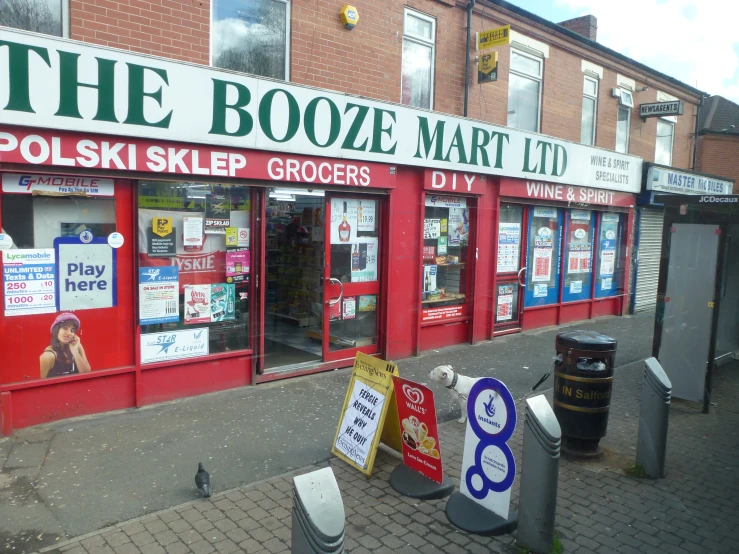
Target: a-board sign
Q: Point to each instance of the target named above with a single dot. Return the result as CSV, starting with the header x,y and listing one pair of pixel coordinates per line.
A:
x,y
368,405
420,435
488,466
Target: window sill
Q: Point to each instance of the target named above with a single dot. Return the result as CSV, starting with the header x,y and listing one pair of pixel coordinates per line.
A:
x,y
199,359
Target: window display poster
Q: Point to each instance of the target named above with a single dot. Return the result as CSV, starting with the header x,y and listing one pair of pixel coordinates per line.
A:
x,y
29,279
344,221
197,304
218,211
237,236
540,291
606,283
366,215
580,215
174,345
505,303
368,303
431,228
607,262
446,201
459,226
509,244
575,287
159,295
349,307
579,259
441,246
444,225
193,231
429,278
429,253
222,302
87,274
365,260
550,213
238,261
162,239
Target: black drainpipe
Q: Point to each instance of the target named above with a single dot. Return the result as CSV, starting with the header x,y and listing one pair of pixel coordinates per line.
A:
x,y
695,136
467,60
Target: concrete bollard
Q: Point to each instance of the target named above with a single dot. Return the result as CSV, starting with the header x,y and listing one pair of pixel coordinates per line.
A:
x,y
318,514
654,415
542,439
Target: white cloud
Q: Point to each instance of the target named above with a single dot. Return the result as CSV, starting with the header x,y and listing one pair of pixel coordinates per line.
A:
x,y
693,41
235,33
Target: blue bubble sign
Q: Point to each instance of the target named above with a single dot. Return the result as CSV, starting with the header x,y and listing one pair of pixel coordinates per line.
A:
x,y
488,467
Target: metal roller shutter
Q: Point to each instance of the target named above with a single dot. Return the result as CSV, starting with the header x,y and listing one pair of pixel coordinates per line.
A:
x,y
650,248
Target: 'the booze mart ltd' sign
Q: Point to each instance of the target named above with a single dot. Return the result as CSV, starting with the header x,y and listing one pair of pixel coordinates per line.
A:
x,y
58,84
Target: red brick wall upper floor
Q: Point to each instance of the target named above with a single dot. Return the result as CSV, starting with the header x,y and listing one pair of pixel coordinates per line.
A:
x,y
719,155
367,60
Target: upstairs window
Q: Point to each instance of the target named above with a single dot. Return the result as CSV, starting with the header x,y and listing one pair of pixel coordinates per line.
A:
x,y
419,51
251,36
40,16
589,111
524,91
665,140
622,130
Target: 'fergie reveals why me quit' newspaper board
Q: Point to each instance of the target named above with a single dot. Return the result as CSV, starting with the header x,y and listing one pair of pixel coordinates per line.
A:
x,y
369,414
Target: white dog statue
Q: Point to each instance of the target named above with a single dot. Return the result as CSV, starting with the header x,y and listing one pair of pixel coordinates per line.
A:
x,y
459,387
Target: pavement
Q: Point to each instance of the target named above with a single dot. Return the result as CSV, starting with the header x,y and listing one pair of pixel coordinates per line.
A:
x,y
123,481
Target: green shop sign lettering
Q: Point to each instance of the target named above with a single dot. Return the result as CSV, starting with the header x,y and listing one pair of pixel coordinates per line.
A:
x,y
55,84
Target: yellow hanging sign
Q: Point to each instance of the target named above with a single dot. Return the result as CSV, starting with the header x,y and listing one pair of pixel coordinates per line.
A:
x,y
369,414
487,67
494,37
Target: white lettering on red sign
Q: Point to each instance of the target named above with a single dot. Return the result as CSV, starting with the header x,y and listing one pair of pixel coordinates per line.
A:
x,y
451,181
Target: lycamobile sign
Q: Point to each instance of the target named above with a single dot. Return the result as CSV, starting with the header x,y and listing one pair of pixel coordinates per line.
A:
x,y
60,84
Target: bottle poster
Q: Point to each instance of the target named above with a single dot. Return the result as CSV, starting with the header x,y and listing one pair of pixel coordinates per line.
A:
x,y
197,304
343,221
366,216
429,278
509,244
222,302
364,258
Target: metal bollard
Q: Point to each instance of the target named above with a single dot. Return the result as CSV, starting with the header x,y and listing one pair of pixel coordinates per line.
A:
x,y
654,415
318,514
537,503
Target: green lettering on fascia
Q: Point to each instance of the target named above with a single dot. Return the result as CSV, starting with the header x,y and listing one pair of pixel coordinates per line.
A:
x,y
480,140
458,143
378,130
309,121
526,153
137,95
221,107
543,164
19,97
69,85
555,167
498,138
430,140
351,137
265,115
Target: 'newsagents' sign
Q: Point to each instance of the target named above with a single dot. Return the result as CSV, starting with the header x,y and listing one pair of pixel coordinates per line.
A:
x,y
662,179
60,84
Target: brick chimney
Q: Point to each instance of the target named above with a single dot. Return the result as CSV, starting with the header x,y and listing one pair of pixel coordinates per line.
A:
x,y
587,26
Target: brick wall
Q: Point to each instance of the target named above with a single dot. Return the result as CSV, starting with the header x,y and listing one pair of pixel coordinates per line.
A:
x,y
719,155
367,60
178,29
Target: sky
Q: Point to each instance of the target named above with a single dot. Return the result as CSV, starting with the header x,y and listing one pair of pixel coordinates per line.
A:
x,y
694,41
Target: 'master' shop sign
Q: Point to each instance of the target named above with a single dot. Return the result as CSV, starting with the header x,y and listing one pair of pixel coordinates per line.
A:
x,y
58,84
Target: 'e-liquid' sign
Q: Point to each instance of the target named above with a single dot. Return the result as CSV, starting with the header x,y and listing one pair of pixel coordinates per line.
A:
x,y
86,274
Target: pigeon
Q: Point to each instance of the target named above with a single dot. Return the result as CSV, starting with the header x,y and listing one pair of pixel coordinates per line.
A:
x,y
202,481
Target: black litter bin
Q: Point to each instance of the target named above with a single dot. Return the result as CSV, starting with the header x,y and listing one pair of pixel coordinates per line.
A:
x,y
582,388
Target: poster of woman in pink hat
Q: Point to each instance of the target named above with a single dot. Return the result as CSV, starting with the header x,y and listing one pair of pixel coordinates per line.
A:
x,y
65,355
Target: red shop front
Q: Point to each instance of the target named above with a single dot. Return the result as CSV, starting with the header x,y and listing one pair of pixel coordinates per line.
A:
x,y
563,254
144,271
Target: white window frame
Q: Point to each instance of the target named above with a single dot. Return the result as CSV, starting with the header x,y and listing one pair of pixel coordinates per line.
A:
x,y
539,78
665,121
595,81
288,17
626,98
423,41
628,128
66,27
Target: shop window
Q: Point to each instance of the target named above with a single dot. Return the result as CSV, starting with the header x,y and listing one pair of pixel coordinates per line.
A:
x,y
580,229
524,91
610,240
419,45
446,236
251,36
60,277
589,110
50,17
622,130
542,268
665,139
194,269
509,238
